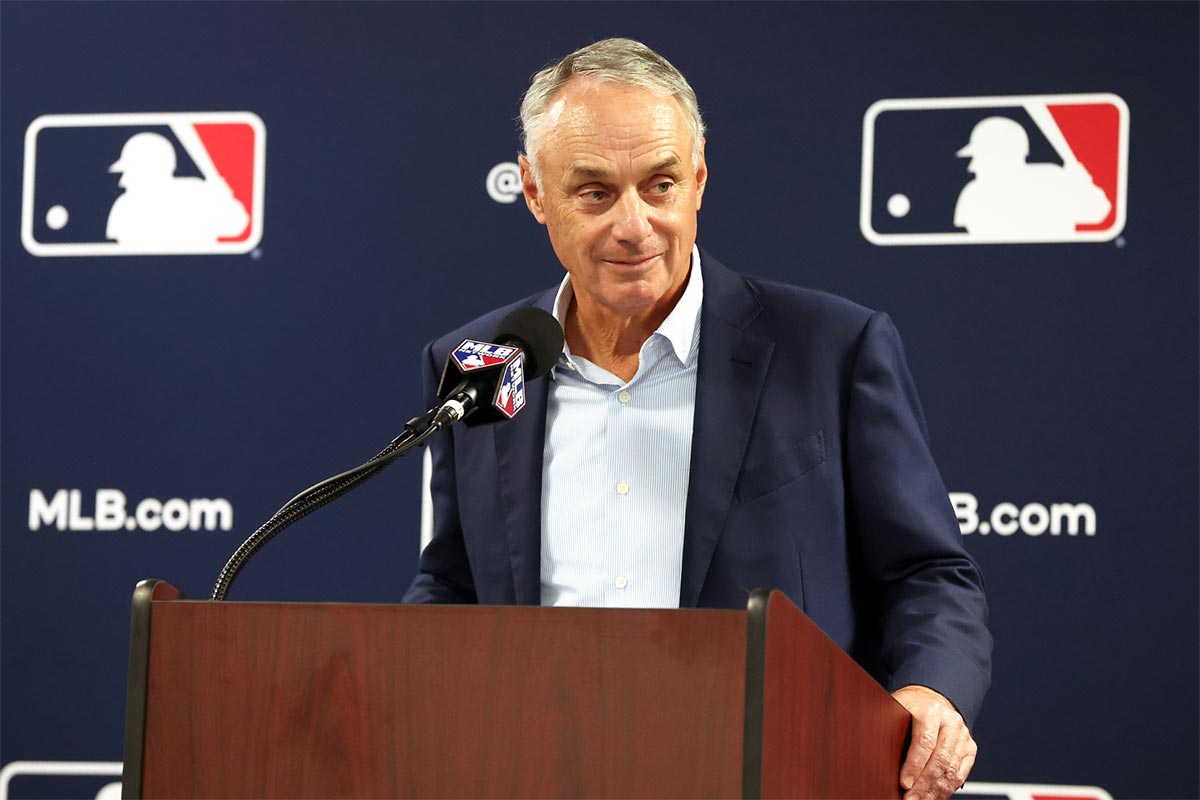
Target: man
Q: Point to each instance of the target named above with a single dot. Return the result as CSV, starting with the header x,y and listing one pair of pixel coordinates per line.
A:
x,y
704,433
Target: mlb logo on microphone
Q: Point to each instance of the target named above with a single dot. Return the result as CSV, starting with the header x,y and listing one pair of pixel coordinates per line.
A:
x,y
994,170
143,184
472,355
510,395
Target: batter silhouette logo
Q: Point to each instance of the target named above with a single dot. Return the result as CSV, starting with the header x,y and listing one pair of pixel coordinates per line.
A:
x,y
143,184
991,170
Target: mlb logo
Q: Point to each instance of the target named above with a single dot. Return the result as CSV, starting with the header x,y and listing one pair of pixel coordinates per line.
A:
x,y
991,170
472,355
92,779
143,184
510,395
977,790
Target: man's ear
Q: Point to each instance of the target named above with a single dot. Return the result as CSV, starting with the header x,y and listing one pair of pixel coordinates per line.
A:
x,y
701,176
529,187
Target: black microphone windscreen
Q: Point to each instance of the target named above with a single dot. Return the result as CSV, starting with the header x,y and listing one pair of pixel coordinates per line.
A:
x,y
539,336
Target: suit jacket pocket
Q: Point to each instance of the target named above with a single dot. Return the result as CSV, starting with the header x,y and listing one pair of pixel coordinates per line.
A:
x,y
781,468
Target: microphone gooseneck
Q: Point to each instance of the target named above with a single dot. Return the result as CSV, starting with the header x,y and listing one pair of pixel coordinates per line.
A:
x,y
416,432
534,332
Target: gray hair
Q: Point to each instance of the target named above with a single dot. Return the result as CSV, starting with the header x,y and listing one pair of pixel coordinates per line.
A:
x,y
623,61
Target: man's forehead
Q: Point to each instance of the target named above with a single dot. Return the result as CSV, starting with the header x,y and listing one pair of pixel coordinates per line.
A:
x,y
585,103
597,128
555,112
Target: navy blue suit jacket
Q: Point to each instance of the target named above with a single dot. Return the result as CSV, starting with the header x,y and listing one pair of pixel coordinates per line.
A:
x,y
810,473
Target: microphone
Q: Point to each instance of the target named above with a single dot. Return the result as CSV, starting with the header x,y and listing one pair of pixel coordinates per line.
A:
x,y
484,382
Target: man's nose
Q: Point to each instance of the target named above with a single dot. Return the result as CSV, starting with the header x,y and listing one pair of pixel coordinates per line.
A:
x,y
632,221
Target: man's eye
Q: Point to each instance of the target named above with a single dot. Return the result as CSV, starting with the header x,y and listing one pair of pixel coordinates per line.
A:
x,y
662,187
595,196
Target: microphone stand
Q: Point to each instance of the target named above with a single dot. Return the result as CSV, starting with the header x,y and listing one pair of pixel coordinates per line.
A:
x,y
416,432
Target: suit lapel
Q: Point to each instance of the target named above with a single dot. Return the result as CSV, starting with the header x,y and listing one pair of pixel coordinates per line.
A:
x,y
730,376
519,447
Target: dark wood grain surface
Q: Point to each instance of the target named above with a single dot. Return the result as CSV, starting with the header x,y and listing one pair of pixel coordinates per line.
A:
x,y
331,700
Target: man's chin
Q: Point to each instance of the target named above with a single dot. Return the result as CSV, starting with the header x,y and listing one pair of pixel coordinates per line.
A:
x,y
632,302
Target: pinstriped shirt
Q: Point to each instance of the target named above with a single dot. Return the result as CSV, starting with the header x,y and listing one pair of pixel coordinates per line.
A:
x,y
616,464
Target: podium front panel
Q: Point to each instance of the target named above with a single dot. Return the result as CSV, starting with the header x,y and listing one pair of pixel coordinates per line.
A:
x,y
336,700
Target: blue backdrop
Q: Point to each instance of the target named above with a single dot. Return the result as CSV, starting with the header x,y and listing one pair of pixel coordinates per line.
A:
x,y
1053,374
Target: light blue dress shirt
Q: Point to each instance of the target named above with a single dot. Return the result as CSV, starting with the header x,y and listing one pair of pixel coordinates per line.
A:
x,y
616,465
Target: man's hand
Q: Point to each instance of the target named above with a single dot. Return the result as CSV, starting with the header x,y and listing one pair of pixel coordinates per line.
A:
x,y
942,751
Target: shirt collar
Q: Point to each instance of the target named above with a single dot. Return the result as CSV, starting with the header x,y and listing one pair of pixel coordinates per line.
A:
x,y
679,328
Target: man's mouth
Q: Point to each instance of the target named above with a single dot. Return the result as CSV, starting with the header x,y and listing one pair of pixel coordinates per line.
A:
x,y
633,263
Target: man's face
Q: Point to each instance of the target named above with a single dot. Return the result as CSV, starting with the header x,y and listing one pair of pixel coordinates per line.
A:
x,y
619,194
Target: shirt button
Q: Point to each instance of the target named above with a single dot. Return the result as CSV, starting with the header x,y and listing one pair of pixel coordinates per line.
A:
x,y
622,488
621,581
624,397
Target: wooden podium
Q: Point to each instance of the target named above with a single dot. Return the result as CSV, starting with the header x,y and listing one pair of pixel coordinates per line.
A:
x,y
325,700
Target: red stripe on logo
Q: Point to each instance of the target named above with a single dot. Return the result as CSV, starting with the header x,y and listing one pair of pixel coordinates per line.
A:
x,y
231,148
1094,133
